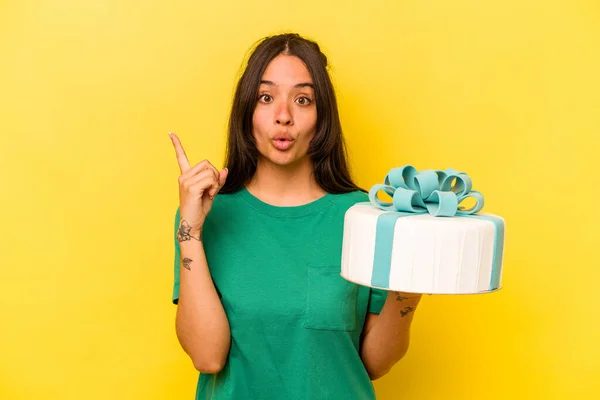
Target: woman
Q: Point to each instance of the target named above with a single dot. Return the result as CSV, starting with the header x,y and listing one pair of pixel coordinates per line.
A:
x,y
262,310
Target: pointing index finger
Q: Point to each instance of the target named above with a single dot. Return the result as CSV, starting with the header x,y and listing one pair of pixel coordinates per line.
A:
x,y
182,160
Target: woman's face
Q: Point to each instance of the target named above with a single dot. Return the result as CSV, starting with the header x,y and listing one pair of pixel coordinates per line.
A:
x,y
285,117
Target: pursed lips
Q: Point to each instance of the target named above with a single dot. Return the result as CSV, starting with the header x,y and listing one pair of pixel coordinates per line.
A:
x,y
283,141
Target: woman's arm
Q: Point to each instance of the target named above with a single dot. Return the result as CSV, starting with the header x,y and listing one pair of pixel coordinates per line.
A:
x,y
386,337
201,323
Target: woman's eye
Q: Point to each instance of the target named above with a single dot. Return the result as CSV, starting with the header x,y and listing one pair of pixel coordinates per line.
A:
x,y
265,98
304,101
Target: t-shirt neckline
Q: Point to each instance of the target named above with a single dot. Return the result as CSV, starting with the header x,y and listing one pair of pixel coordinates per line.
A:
x,y
286,211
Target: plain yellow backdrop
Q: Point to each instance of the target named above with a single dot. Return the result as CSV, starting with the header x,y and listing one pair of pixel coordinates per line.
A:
x,y
507,91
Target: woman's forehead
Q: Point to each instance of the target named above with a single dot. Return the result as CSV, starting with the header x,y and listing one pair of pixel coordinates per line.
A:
x,y
286,70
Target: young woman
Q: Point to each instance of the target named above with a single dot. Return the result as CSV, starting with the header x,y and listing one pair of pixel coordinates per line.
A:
x,y
262,310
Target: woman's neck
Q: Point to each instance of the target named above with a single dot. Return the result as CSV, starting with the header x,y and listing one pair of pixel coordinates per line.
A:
x,y
285,186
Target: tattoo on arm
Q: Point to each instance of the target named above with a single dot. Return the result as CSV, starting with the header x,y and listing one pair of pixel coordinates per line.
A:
x,y
399,297
183,234
186,263
406,310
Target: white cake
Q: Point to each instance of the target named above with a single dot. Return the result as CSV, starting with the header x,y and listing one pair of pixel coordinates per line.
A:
x,y
421,253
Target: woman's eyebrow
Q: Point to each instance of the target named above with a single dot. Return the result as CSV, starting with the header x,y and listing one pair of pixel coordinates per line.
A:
x,y
298,85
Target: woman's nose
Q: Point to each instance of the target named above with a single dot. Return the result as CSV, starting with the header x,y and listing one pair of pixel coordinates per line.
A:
x,y
283,116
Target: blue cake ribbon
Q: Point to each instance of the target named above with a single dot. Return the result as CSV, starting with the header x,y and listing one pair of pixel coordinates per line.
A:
x,y
436,192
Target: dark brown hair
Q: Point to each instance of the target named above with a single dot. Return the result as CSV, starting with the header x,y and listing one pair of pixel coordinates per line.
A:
x,y
327,149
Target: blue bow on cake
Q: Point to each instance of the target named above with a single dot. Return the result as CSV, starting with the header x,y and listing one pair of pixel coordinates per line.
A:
x,y
436,192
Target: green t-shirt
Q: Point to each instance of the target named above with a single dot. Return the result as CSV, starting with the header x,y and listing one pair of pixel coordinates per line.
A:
x,y
295,322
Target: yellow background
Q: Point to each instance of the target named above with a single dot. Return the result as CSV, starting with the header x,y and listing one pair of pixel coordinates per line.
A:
x,y
507,91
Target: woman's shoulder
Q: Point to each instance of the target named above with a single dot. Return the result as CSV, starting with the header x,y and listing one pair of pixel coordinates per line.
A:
x,y
225,203
350,198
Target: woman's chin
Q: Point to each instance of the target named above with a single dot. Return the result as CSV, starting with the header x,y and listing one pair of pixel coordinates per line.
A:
x,y
283,160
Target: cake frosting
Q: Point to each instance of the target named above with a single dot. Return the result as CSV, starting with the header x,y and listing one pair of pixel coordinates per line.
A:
x,y
423,241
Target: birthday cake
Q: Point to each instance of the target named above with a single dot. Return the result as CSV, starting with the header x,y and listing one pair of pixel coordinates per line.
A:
x,y
423,241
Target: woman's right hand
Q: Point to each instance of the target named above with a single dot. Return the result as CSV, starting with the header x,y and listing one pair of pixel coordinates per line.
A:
x,y
198,186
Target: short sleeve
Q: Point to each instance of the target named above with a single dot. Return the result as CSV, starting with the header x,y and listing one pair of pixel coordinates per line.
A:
x,y
377,299
175,297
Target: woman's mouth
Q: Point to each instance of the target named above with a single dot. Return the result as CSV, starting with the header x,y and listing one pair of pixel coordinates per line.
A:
x,y
282,144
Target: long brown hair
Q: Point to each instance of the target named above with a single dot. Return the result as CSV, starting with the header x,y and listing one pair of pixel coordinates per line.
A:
x,y
327,149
